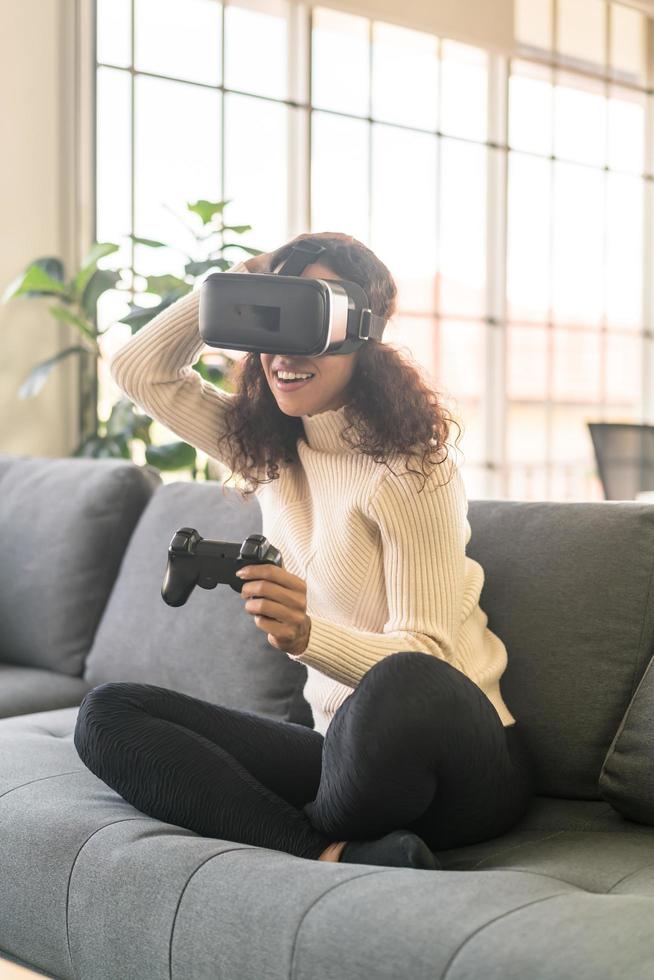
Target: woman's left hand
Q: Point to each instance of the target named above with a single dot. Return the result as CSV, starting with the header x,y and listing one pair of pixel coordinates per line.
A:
x,y
280,609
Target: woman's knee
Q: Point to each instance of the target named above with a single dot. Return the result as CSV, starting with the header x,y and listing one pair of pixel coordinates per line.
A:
x,y
431,687
414,671
102,709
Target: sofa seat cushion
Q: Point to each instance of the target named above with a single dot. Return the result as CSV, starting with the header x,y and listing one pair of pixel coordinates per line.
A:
x,y
24,690
90,886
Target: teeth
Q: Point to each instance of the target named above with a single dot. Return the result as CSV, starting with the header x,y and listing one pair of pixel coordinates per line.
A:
x,y
289,375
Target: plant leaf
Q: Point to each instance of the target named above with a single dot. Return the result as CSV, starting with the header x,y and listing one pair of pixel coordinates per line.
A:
x,y
246,248
138,316
171,455
207,209
212,373
124,421
63,313
199,268
38,376
97,251
99,283
161,285
149,241
41,278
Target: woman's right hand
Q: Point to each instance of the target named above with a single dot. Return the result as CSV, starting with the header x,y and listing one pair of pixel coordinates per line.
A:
x,y
262,264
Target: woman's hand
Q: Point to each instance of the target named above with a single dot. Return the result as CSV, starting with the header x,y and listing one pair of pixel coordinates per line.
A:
x,y
280,609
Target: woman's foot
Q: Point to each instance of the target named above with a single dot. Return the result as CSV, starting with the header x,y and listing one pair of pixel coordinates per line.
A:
x,y
333,851
399,849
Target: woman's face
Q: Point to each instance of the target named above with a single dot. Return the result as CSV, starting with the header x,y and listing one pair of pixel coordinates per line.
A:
x,y
331,372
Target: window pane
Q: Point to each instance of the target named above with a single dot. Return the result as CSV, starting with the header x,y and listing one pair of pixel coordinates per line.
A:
x,y
464,90
471,439
474,478
572,480
624,357
626,112
627,56
625,251
403,226
527,482
256,168
462,249
256,47
527,362
578,244
526,433
340,62
404,76
339,174
173,169
528,238
581,31
460,366
571,440
530,107
181,38
114,32
533,23
579,119
113,154
576,365
417,336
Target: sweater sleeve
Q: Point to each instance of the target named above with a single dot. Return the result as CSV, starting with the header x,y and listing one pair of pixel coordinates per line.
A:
x,y
423,539
155,370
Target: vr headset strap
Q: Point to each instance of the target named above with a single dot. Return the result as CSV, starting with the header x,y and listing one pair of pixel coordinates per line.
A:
x,y
370,325
301,256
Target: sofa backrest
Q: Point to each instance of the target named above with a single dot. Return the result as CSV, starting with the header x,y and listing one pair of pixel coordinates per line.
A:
x,y
568,588
65,523
209,647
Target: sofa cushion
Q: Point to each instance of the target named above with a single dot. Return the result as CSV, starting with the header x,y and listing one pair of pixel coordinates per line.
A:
x,y
65,524
24,690
568,588
210,647
627,777
92,887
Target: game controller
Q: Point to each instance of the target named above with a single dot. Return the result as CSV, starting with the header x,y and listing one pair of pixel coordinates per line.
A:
x,y
194,560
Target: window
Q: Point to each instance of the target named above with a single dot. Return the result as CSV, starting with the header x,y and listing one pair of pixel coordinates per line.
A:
x,y
508,195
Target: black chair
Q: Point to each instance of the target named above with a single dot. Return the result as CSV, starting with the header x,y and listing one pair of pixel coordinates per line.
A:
x,y
625,457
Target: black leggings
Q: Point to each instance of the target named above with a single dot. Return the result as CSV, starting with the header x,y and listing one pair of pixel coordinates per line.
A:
x,y
417,745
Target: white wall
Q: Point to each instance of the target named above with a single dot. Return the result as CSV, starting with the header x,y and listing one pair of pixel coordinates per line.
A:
x,y
38,190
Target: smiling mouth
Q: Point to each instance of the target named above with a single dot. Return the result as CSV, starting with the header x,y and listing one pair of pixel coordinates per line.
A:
x,y
283,385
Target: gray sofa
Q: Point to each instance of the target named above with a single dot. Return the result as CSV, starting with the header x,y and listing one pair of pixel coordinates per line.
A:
x,y
92,889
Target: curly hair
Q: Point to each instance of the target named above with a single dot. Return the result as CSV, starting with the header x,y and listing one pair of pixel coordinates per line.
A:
x,y
390,407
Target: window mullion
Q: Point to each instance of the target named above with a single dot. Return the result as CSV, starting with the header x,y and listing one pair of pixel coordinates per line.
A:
x,y
493,397
648,242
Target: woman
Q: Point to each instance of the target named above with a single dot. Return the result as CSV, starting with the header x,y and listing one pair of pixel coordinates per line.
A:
x,y
413,748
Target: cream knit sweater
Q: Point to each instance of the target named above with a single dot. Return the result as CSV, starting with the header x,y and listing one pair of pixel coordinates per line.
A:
x,y
385,566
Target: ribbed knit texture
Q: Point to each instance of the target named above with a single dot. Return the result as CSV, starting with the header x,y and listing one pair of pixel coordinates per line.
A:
x,y
385,565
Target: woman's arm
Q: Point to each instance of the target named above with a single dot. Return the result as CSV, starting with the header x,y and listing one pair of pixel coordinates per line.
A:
x,y
423,538
155,370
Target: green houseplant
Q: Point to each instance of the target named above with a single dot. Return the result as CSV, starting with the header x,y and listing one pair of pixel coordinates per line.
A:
x,y
76,305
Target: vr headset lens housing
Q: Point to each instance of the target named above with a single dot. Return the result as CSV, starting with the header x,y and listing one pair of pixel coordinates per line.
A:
x,y
285,313
277,314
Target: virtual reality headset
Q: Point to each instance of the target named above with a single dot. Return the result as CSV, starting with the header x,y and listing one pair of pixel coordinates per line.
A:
x,y
284,313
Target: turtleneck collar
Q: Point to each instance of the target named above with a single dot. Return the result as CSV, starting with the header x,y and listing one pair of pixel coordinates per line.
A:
x,y
323,431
